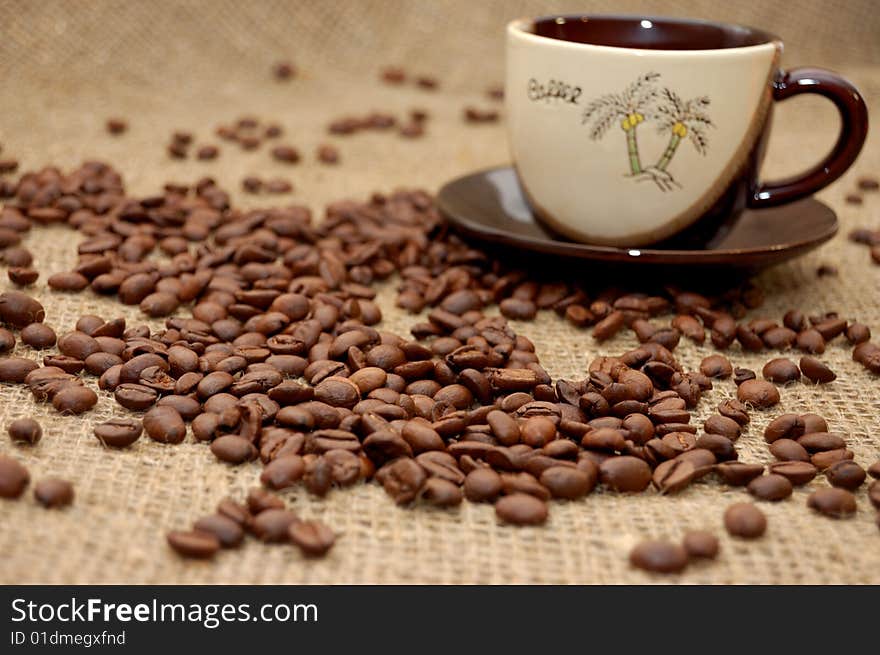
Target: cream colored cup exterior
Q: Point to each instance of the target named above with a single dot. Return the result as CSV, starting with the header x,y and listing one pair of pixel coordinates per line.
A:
x,y
580,177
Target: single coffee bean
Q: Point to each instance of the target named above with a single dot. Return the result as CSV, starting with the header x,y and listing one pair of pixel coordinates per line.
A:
x,y
813,423
810,341
745,520
716,366
726,427
38,335
816,371
232,448
857,333
25,430
14,477
567,482
821,441
53,492
7,340
20,310
874,470
846,474
135,397
609,326
441,493
798,473
699,543
874,493
68,281
482,485
822,460
259,500
738,473
228,532
734,409
15,369
313,538
164,424
194,544
403,479
118,432
741,375
74,399
659,557
673,475
283,472
272,525
789,450
781,370
504,427
770,487
758,394
625,473
833,501
785,426
521,509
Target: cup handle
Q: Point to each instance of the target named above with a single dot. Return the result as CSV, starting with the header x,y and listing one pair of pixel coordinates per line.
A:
x,y
853,130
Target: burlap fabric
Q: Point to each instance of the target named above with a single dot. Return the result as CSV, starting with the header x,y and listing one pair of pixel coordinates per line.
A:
x,y
65,67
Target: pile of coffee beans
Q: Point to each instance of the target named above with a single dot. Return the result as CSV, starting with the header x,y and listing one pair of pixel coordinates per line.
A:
x,y
272,350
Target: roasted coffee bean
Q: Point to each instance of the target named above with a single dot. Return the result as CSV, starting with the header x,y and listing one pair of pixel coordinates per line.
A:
x,y
25,430
482,485
403,479
441,493
118,432
781,370
283,472
518,309
744,520
673,475
136,397
734,409
20,310
53,492
716,366
798,473
194,544
22,276
15,369
810,341
758,394
874,494
259,500
609,326
721,447
779,338
846,474
74,399
833,501
726,427
567,482
505,427
699,543
14,477
741,375
228,532
521,509
822,460
67,281
312,537
38,335
857,333
7,340
785,426
232,448
164,424
625,473
771,487
816,371
659,557
820,441
738,474
874,470
788,450
272,525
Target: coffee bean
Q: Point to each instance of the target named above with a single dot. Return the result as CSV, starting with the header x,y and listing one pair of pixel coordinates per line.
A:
x,y
745,520
312,537
609,326
441,493
785,426
659,557
272,525
22,276
874,494
118,432
822,460
403,479
53,492
846,474
20,310
194,544
738,473
259,500
699,543
327,154
819,441
857,333
15,369
482,485
716,366
770,487
68,281
811,341
625,473
165,425
741,375
25,430
726,427
116,126
74,399
515,308
283,472
231,448
521,509
781,370
798,473
673,475
758,394
567,482
874,470
286,154
834,502
38,335
7,340
816,371
14,477
228,532
788,450
734,409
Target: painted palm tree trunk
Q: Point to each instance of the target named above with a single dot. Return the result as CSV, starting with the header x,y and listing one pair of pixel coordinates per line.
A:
x,y
669,153
632,146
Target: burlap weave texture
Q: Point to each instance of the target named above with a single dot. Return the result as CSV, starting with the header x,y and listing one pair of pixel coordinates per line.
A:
x,y
66,67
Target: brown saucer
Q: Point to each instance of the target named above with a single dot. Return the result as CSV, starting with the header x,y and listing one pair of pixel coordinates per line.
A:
x,y
489,205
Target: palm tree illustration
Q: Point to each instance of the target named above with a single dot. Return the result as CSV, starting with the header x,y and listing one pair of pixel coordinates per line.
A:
x,y
680,119
630,107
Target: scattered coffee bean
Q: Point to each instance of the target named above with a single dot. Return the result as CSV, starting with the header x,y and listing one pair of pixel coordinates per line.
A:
x,y
164,424
868,183
14,477
74,399
283,71
118,432
228,532
716,366
770,487
758,394
699,543
816,371
659,557
312,537
53,492
741,375
832,501
521,509
781,370
25,430
846,474
194,544
116,126
798,473
745,520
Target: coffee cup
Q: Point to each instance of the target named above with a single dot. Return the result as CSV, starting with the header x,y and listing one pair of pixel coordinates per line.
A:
x,y
627,130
